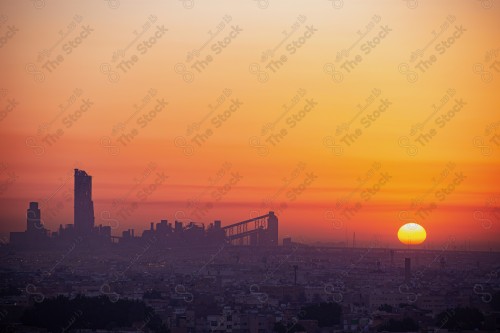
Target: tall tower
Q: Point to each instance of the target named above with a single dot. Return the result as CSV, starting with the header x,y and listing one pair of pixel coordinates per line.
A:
x,y
84,206
33,218
272,229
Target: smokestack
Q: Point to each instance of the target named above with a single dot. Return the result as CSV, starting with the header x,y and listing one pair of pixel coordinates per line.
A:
x,y
407,269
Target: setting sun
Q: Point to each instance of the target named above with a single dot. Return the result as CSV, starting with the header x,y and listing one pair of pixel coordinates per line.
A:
x,y
412,234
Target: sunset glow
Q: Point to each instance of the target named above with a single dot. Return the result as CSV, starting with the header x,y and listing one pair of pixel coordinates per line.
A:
x,y
278,109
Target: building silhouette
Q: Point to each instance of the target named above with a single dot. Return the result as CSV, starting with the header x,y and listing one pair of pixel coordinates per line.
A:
x,y
84,227
33,218
272,229
36,235
84,206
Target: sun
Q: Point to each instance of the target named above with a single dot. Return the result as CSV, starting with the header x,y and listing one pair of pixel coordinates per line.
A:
x,y
412,234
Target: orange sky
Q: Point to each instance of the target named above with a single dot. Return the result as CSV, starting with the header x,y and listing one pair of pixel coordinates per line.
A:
x,y
244,107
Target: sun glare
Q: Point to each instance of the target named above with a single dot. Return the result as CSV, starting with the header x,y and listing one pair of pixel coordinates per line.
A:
x,y
412,234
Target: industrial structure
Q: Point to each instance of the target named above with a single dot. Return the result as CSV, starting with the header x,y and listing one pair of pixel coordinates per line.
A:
x,y
261,230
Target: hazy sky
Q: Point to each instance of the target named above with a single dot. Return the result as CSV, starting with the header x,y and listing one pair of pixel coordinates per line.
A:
x,y
225,110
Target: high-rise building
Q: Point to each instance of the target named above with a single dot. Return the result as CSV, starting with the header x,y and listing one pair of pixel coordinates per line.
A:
x,y
36,235
272,229
33,218
84,206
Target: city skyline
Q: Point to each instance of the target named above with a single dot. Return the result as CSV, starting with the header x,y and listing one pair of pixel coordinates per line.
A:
x,y
296,136
257,231
249,166
83,226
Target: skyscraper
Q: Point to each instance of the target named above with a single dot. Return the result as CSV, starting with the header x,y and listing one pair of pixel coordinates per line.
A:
x,y
36,235
33,218
84,206
272,229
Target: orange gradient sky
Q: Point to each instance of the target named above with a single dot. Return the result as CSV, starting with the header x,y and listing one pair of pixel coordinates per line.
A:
x,y
348,164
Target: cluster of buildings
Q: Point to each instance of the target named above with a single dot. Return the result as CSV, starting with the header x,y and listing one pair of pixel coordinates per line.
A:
x,y
36,235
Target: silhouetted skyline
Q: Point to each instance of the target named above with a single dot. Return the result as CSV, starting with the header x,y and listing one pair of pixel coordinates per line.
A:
x,y
249,166
257,231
